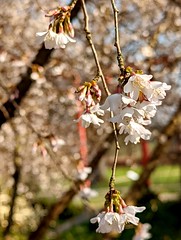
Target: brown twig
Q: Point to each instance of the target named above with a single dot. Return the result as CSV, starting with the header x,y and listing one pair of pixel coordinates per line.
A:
x,y
100,73
72,5
117,42
89,39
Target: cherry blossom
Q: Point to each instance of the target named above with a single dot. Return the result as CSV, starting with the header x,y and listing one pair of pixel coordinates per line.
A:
x,y
60,30
130,212
53,40
48,37
90,116
135,131
139,83
158,91
113,221
109,221
116,102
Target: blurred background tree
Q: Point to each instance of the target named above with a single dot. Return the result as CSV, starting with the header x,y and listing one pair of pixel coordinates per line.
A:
x,y
39,142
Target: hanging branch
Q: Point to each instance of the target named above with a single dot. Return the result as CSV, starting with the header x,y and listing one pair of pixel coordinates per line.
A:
x,y
100,73
117,42
89,39
73,3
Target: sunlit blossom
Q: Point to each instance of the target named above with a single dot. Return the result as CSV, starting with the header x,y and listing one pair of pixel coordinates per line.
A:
x,y
139,83
108,222
113,221
135,131
49,38
130,212
116,102
159,89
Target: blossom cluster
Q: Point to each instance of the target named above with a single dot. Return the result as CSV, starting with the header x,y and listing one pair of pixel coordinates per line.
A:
x,y
60,30
116,214
136,105
90,96
133,108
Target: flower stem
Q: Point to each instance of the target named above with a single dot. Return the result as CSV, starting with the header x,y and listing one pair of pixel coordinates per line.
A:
x,y
100,73
89,39
117,42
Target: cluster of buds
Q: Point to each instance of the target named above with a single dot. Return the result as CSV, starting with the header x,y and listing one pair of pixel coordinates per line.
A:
x,y
116,214
60,30
90,96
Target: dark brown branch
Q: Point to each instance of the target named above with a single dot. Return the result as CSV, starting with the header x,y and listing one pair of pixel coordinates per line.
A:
x,y
16,177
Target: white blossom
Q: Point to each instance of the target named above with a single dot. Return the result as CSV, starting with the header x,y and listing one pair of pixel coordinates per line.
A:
x,y
109,221
130,212
148,109
90,117
116,102
52,39
113,221
139,83
135,131
132,175
61,40
159,93
48,37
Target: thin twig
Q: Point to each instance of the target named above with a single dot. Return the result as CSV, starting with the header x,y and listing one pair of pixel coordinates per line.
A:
x,y
72,5
89,39
117,42
100,73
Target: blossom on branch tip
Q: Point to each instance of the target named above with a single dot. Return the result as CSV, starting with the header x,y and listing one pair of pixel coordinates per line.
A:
x,y
116,214
130,212
90,116
48,37
60,30
108,222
